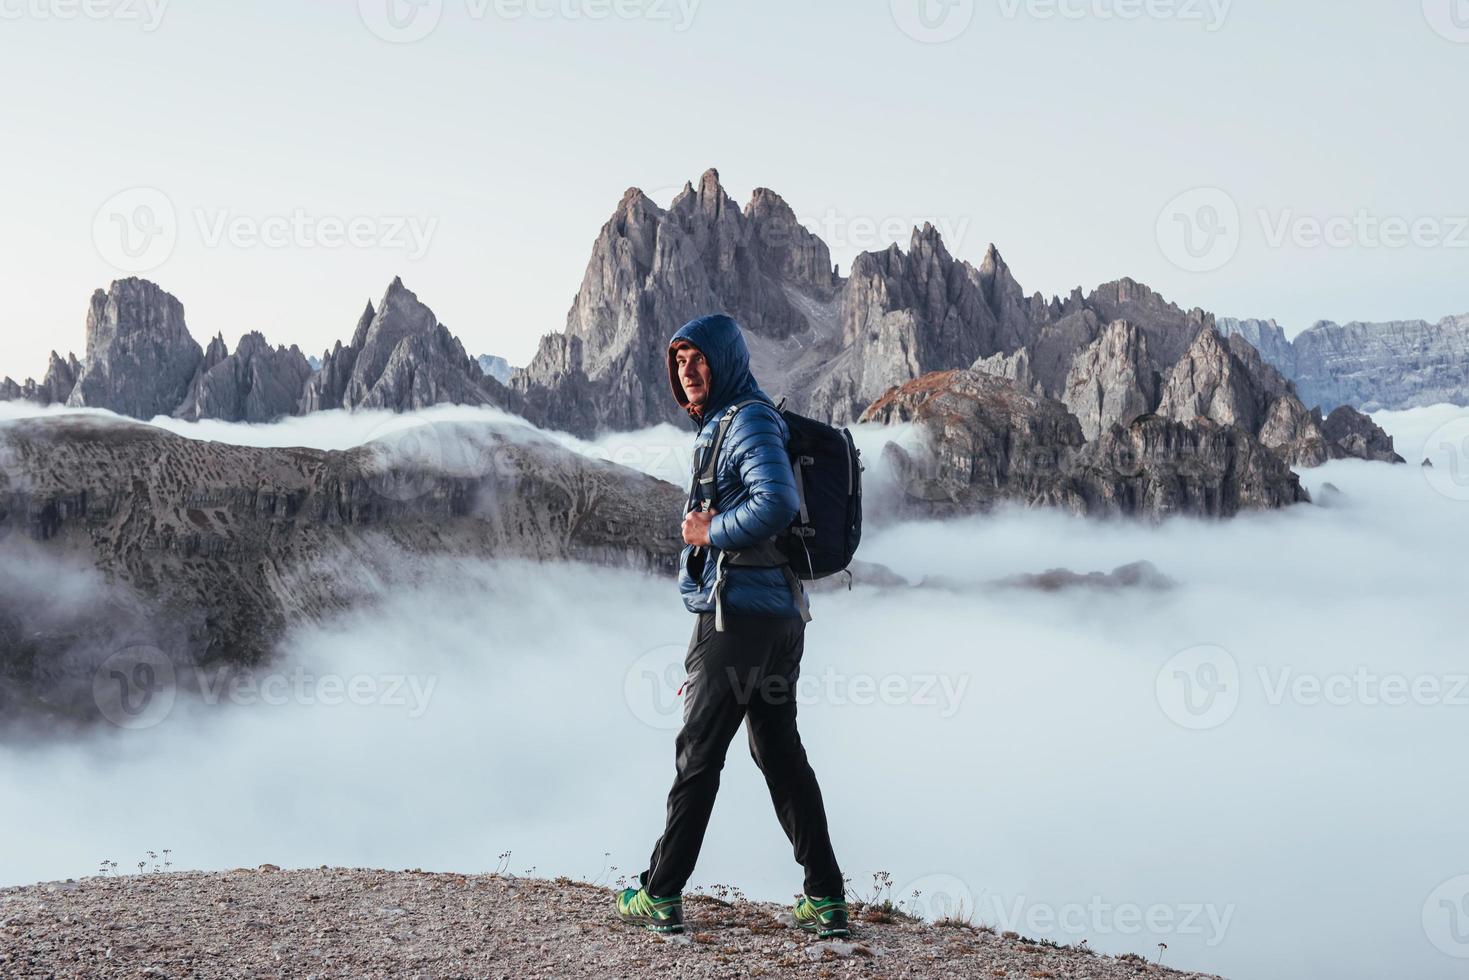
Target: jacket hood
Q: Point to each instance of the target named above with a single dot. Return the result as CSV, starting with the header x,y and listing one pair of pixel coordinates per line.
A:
x,y
718,337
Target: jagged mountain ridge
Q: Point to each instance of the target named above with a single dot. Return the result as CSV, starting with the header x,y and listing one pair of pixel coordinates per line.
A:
x,y
984,441
831,345
1370,366
142,362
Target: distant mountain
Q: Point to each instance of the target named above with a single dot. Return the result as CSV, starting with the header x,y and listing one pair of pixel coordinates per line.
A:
x,y
142,362
496,367
257,383
140,357
1371,366
830,345
401,358
985,443
652,270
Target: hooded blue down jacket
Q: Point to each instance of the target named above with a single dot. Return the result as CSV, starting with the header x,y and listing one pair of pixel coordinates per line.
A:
x,y
755,490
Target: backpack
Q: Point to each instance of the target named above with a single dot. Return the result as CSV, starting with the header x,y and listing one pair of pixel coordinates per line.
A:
x,y
824,535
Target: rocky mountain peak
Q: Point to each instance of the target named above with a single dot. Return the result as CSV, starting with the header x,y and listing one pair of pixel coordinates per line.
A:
x,y
653,270
708,198
140,356
55,388
257,383
1112,380
712,197
767,204
400,358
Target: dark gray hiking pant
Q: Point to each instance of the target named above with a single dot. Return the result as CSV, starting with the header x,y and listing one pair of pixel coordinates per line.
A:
x,y
748,672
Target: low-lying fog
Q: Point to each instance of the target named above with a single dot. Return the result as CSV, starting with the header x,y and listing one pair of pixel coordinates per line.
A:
x,y
1260,767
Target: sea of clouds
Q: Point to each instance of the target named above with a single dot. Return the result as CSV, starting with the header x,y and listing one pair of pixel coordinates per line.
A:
x,y
1257,767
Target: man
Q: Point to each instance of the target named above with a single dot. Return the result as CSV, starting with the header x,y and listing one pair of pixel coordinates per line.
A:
x,y
747,669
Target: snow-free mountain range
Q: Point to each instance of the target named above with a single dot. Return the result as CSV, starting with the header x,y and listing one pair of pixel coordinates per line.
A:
x,y
831,344
1113,402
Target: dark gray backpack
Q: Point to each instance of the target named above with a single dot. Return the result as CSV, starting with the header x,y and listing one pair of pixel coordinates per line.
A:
x,y
828,528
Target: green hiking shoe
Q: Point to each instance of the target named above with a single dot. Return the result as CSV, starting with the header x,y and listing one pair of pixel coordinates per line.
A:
x,y
635,905
827,917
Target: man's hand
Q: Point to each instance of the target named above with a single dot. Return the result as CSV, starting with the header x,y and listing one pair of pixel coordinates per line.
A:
x,y
696,527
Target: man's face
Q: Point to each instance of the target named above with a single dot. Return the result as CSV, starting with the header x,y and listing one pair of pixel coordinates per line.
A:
x,y
693,374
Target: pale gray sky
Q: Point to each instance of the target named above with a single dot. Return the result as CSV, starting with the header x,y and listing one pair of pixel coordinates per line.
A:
x,y
479,160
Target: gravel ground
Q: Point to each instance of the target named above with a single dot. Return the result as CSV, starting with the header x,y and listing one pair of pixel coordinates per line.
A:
x,y
360,923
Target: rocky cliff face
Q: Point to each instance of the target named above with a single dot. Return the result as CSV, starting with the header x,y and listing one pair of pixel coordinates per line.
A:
x,y
1384,365
1060,332
1168,329
651,271
1267,337
1210,381
831,346
207,551
1229,383
905,314
1351,435
984,441
140,357
54,389
143,362
257,383
1112,380
1372,366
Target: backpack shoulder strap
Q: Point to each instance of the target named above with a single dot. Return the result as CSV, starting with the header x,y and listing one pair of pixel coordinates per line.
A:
x,y
707,474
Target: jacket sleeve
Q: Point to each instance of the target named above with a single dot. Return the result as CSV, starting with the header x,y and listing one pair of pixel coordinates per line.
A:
x,y
758,453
